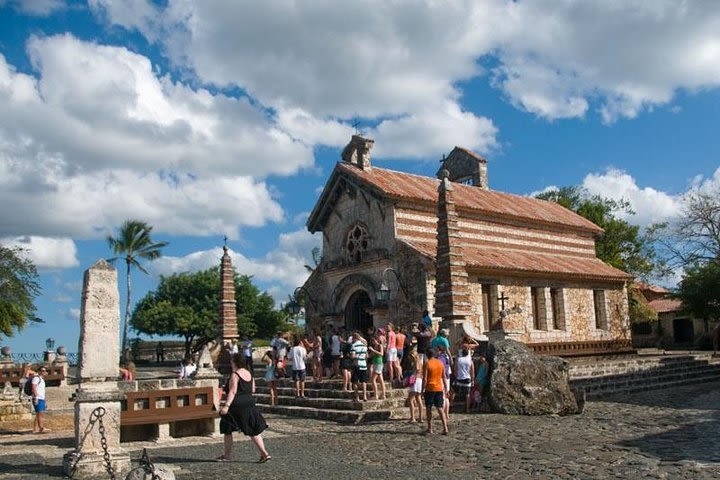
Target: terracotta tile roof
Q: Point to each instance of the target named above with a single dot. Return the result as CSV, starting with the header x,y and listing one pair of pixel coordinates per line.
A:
x,y
507,260
664,305
651,288
400,185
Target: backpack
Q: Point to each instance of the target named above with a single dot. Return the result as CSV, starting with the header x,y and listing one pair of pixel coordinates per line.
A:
x,y
27,388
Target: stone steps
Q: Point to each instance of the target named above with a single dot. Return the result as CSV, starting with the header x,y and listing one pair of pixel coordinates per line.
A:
x,y
328,393
326,400
333,403
654,386
626,376
651,374
340,416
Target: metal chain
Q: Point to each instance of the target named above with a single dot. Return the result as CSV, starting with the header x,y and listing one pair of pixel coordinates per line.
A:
x,y
148,466
103,442
95,417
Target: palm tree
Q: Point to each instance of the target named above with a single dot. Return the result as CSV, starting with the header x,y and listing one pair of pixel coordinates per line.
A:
x,y
133,243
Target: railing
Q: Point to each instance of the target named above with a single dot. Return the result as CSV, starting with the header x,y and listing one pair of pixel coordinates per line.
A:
x,y
590,347
21,358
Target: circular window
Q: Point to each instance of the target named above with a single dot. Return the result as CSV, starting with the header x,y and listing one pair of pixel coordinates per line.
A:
x,y
357,243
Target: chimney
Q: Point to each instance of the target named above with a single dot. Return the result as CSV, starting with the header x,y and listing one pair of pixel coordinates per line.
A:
x,y
357,152
466,167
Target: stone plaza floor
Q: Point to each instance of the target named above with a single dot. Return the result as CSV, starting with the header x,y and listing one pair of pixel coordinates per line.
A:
x,y
657,434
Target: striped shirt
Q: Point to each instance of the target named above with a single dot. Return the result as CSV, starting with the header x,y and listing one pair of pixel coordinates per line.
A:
x,y
360,350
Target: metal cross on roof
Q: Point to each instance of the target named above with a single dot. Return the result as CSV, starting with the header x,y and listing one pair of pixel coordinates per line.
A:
x,y
225,239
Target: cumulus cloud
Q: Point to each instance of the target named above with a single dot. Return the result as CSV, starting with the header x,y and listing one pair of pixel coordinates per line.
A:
x,y
374,58
283,267
36,8
650,205
392,66
99,137
46,252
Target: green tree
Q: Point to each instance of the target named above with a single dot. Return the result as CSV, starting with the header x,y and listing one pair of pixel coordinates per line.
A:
x,y
185,304
133,244
699,290
621,245
18,288
188,305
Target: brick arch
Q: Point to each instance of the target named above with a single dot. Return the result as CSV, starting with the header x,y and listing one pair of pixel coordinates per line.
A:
x,y
349,285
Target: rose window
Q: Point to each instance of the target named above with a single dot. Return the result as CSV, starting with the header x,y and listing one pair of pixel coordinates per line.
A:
x,y
357,243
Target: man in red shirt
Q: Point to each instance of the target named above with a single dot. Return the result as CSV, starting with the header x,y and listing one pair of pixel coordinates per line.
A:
x,y
434,389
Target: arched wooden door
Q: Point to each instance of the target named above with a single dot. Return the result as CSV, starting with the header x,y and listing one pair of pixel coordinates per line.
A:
x,y
356,312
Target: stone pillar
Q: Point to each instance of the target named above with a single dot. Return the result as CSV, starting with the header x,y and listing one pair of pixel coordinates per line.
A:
x,y
452,294
228,311
98,363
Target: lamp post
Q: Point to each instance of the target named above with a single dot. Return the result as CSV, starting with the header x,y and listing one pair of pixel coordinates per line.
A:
x,y
49,352
294,306
383,293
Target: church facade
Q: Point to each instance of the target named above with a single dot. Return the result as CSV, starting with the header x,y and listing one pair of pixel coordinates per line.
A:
x,y
529,266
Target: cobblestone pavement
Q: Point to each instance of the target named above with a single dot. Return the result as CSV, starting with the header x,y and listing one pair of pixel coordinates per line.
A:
x,y
659,434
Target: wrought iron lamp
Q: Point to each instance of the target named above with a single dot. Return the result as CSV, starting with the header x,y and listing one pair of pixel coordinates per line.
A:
x,y
294,306
50,344
383,293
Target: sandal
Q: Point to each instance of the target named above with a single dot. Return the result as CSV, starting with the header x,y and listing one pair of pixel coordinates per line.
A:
x,y
222,458
264,459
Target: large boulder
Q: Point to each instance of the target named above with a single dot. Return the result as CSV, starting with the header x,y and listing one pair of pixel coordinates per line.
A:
x,y
523,383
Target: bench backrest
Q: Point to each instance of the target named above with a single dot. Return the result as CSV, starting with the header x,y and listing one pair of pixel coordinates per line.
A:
x,y
14,374
164,406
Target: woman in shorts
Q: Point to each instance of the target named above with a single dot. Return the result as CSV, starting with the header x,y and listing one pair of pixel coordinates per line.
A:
x,y
377,352
415,388
269,360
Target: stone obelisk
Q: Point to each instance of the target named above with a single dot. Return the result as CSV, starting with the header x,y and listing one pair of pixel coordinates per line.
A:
x,y
98,363
228,312
452,295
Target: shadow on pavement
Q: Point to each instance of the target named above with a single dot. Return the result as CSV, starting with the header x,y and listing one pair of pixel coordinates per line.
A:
x,y
42,440
696,441
29,468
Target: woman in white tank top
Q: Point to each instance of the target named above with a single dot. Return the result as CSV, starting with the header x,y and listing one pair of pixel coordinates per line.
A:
x,y
464,374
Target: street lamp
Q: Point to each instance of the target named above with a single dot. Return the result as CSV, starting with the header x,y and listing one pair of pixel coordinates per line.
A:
x,y
294,306
50,344
383,293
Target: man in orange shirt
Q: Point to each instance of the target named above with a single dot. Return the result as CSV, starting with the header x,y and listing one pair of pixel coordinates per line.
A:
x,y
434,389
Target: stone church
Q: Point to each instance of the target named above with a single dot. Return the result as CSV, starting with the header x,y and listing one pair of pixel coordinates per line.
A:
x,y
395,244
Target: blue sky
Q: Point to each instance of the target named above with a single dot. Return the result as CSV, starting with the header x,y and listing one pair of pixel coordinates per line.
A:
x,y
220,118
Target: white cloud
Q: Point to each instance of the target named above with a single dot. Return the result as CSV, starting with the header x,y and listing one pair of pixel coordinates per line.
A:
x,y
392,64
62,298
73,313
99,137
283,267
45,252
375,59
650,205
37,8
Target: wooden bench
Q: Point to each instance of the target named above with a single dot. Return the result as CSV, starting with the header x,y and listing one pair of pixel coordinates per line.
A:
x,y
172,411
55,376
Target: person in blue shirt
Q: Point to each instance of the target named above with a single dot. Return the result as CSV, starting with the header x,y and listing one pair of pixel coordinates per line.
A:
x,y
426,319
441,340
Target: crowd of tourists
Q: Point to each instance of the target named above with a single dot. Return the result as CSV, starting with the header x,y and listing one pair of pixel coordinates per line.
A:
x,y
416,357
